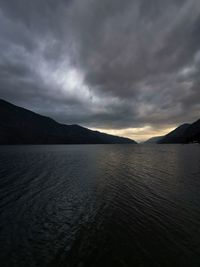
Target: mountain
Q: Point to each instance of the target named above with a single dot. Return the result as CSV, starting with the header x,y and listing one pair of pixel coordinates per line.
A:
x,y
153,140
186,133
21,126
193,133
175,136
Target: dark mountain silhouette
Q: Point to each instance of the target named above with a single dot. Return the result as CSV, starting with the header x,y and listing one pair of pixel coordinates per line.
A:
x,y
21,126
153,140
193,133
175,136
186,133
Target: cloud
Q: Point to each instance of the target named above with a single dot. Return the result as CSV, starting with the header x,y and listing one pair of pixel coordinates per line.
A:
x,y
105,64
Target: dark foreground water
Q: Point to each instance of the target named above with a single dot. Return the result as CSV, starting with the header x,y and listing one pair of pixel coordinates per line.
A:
x,y
103,205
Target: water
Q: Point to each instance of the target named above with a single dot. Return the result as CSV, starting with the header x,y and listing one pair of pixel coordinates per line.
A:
x,y
100,205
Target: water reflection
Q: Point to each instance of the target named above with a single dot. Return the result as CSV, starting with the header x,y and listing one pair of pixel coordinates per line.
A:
x,y
114,205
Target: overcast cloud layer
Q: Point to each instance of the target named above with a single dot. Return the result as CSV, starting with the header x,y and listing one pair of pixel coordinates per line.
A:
x,y
108,64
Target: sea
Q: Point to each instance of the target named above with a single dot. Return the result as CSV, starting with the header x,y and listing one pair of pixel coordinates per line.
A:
x,y
100,206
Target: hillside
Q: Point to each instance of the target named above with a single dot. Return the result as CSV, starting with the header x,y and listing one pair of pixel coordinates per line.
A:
x,y
21,126
153,140
186,133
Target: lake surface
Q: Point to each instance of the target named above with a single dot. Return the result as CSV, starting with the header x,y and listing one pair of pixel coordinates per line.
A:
x,y
100,205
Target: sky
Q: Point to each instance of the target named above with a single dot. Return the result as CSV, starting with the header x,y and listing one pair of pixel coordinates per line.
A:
x,y
130,68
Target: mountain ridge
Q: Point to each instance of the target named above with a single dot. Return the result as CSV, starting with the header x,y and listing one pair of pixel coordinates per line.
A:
x,y
153,140
183,134
22,126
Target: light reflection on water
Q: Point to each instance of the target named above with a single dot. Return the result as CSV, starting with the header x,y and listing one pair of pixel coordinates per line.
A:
x,y
100,205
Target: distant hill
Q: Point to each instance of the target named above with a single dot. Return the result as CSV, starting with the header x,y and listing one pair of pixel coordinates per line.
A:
x,y
193,133
175,136
21,126
153,140
186,133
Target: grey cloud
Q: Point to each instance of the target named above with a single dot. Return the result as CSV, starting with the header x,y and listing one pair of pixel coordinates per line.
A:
x,y
137,60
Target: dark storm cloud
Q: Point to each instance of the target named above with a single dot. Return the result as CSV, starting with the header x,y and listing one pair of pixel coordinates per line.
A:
x,y
113,64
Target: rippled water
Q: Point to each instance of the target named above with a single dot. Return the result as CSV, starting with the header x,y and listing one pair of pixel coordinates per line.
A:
x,y
103,205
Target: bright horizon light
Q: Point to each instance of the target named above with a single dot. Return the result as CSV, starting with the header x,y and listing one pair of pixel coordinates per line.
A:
x,y
138,134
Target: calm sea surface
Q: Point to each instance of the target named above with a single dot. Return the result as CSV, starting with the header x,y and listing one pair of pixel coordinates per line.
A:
x,y
100,205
